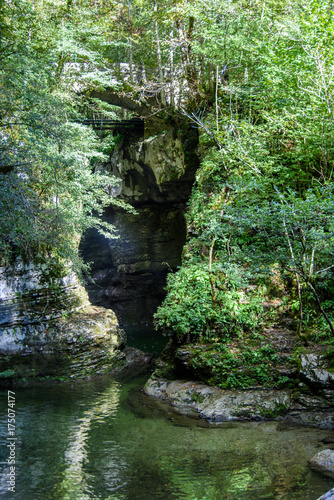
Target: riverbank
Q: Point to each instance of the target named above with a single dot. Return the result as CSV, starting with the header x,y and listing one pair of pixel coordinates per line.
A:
x,y
218,405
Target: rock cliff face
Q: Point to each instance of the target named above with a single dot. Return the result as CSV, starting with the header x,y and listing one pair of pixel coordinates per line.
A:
x,y
49,328
48,325
155,177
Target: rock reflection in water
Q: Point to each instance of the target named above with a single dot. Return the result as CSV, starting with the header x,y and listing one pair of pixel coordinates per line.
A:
x,y
105,439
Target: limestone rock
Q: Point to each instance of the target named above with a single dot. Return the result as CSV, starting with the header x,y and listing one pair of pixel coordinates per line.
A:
x,y
312,418
313,368
145,168
156,177
137,361
217,405
49,329
328,496
323,462
129,273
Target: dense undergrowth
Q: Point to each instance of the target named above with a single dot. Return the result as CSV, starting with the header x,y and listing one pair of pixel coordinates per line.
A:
x,y
260,218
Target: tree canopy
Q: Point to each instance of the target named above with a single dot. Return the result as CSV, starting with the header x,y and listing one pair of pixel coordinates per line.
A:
x,y
262,203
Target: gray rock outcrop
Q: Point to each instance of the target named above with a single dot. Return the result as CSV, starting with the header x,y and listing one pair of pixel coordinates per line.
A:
x,y
154,169
156,177
324,462
217,405
49,328
327,496
314,368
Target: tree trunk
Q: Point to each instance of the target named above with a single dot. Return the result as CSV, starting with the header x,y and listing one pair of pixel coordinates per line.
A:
x,y
211,277
297,278
323,312
130,46
187,59
171,69
216,99
157,40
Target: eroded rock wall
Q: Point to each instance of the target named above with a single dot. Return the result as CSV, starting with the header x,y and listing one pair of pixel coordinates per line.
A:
x,y
158,169
49,328
156,177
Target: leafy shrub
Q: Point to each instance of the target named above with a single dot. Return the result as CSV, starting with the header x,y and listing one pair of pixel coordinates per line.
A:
x,y
238,367
200,304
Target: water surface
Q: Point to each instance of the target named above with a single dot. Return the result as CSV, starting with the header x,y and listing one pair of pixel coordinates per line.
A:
x,y
104,439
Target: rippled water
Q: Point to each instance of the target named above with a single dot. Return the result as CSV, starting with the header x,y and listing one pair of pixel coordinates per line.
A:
x,y
104,439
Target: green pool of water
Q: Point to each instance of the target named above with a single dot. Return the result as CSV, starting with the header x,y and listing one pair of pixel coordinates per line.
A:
x,y
104,439
146,339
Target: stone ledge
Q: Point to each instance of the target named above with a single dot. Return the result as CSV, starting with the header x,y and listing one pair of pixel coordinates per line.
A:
x,y
219,405
323,462
315,370
327,496
49,329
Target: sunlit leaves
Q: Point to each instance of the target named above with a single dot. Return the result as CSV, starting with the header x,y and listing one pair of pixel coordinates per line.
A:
x,y
48,192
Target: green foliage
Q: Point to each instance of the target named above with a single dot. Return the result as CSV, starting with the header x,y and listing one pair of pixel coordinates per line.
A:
x,y
263,198
238,366
190,309
297,233
50,187
257,80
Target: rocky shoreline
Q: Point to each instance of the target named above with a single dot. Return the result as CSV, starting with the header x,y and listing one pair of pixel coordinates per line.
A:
x,y
219,405
309,403
306,398
216,406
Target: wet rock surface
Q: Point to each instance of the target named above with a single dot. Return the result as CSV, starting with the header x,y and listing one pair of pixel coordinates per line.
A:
x,y
156,177
137,361
217,405
305,396
129,274
327,496
324,462
314,368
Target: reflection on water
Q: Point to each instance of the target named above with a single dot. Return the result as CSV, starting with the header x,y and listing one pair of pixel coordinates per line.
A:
x,y
106,440
75,482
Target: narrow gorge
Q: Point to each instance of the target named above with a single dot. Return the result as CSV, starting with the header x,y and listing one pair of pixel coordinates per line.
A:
x,y
166,250
155,175
50,327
